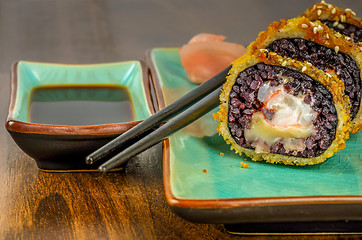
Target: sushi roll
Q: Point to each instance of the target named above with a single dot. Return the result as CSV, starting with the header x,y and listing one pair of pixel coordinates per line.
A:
x,y
321,46
281,110
341,20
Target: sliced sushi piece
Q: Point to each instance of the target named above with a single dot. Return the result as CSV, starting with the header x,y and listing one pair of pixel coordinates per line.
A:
x,y
321,46
341,20
281,110
206,55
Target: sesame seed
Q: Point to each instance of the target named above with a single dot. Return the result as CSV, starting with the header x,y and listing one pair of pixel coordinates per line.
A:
x,y
340,26
333,11
319,12
336,48
284,63
318,28
327,35
347,38
323,2
329,6
335,24
343,18
304,25
329,75
319,7
337,34
350,10
304,68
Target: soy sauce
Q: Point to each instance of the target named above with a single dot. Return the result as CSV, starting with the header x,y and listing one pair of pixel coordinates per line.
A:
x,y
80,105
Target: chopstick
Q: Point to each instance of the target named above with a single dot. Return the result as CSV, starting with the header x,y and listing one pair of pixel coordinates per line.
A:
x,y
185,118
188,108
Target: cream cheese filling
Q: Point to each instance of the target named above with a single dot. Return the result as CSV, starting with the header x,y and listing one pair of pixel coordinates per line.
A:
x,y
291,122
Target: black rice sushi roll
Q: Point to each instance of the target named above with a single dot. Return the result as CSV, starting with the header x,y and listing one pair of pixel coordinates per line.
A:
x,y
314,42
282,110
341,20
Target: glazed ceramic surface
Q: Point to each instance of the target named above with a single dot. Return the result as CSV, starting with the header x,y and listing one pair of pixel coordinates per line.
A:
x,y
63,147
204,181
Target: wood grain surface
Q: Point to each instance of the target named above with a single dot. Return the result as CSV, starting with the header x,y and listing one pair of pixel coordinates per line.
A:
x,y
121,205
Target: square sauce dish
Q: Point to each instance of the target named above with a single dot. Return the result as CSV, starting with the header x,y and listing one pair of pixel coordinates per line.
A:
x,y
60,113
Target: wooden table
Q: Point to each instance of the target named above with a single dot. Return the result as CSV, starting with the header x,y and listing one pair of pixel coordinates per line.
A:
x,y
128,204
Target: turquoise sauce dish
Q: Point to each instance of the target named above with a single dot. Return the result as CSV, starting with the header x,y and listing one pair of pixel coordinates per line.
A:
x,y
59,139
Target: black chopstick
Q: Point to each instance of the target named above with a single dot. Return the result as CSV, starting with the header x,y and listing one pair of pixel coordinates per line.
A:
x,y
138,131
185,118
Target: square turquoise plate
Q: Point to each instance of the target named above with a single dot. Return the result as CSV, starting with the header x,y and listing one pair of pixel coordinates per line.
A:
x,y
205,183
63,147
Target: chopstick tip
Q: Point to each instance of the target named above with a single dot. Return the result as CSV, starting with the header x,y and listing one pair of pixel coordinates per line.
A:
x,y
102,169
89,160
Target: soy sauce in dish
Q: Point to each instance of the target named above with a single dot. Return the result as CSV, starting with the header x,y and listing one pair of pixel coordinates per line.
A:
x,y
79,105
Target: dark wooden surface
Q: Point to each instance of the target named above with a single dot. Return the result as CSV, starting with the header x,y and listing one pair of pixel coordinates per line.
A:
x,y
128,204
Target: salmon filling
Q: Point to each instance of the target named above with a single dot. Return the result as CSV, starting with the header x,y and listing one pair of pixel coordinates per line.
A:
x,y
273,109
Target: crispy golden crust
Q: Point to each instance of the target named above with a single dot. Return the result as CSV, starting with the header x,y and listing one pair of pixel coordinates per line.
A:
x,y
333,84
325,11
316,32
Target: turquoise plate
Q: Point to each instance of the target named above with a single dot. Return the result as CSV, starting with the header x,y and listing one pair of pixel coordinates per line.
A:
x,y
57,146
205,183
